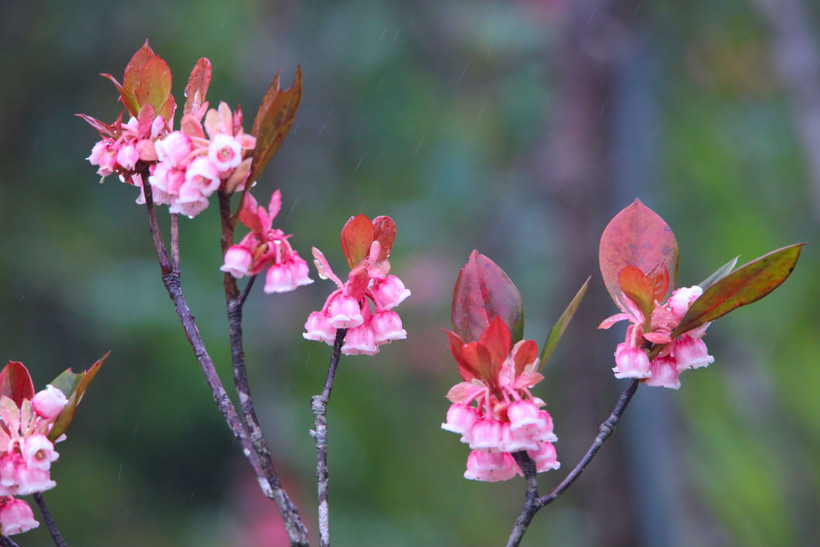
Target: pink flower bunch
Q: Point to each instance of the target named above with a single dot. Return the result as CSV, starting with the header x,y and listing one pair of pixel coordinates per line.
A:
x,y
687,351
192,165
349,306
124,146
506,417
26,454
265,247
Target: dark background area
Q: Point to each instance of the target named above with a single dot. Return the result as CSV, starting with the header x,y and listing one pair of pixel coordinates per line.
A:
x,y
516,128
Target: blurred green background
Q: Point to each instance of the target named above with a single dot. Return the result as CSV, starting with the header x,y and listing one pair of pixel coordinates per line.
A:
x,y
517,128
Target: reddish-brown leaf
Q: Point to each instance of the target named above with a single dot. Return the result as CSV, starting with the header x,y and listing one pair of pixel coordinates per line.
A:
x,y
197,87
483,292
385,234
357,235
638,288
15,382
659,277
637,237
745,285
273,121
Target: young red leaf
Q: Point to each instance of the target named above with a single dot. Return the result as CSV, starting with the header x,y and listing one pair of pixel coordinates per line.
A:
x,y
637,237
103,128
273,121
81,382
357,235
197,87
745,285
659,277
148,77
15,382
483,292
385,234
638,288
560,326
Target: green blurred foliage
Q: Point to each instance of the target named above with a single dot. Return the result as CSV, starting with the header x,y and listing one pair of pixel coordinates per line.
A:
x,y
432,113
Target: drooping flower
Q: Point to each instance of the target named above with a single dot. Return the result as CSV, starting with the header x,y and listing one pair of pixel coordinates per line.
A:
x,y
367,247
506,417
266,247
651,325
16,517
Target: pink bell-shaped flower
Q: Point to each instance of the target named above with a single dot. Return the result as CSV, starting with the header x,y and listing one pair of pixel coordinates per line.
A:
x,y
691,352
490,467
631,362
360,340
460,419
49,402
318,328
16,517
664,373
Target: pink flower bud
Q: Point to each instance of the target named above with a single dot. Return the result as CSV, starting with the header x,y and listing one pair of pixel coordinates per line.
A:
x,y
202,174
631,362
490,467
681,299
387,327
127,156
49,402
174,148
39,452
544,457
16,517
664,373
487,435
360,341
460,419
389,292
318,328
237,261
225,152
691,352
345,312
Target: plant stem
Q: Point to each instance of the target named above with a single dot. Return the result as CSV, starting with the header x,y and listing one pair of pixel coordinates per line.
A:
x,y
318,404
52,527
269,483
6,541
533,503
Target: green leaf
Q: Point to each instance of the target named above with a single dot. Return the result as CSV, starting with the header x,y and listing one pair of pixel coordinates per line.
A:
x,y
273,121
745,285
722,272
483,292
80,384
560,326
637,237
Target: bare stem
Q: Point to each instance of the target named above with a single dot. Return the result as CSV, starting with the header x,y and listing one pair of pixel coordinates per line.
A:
x,y
235,301
6,541
175,242
52,527
269,484
534,503
319,407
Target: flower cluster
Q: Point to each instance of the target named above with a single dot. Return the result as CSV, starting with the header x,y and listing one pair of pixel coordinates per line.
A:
x,y
26,454
506,418
687,351
192,166
263,247
349,306
185,166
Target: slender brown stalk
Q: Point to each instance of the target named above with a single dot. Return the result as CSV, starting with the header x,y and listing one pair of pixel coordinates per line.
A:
x,y
268,482
6,541
235,302
534,503
175,242
50,524
318,404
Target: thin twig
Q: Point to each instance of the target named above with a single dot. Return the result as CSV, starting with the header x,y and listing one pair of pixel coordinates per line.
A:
x,y
175,242
269,484
6,541
533,503
52,527
235,301
319,407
